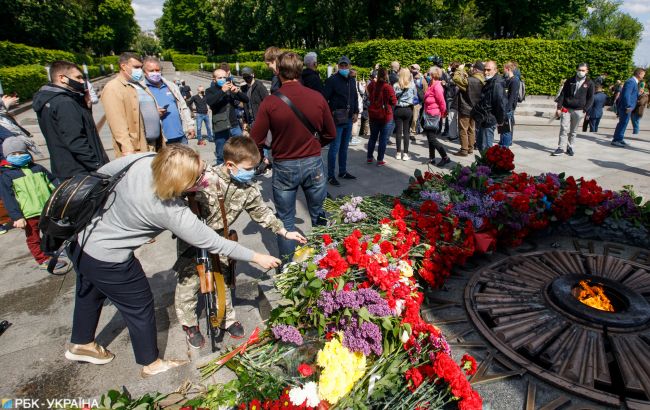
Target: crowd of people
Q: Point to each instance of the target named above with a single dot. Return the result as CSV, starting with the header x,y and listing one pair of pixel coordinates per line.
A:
x,y
152,118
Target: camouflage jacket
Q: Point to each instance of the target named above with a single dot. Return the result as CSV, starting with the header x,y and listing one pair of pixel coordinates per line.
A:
x,y
238,198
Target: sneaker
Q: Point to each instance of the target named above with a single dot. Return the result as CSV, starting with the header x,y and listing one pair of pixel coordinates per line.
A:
x,y
470,152
355,141
405,156
444,161
95,354
3,231
347,175
60,265
370,160
381,163
160,366
452,138
618,144
390,142
461,153
236,330
398,155
412,138
194,337
569,151
625,143
333,181
431,161
557,152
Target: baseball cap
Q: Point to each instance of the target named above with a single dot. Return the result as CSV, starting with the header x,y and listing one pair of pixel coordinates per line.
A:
x,y
344,60
415,66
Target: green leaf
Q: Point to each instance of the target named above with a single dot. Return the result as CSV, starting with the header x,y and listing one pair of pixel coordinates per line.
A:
x,y
386,324
316,283
364,314
310,274
417,173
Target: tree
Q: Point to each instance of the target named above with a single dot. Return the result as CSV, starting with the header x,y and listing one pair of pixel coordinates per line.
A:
x,y
146,44
605,20
112,27
189,25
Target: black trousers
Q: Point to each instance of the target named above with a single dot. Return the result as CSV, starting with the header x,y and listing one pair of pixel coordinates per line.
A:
x,y
434,144
403,117
127,287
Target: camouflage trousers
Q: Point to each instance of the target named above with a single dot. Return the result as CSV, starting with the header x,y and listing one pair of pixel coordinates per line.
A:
x,y
188,288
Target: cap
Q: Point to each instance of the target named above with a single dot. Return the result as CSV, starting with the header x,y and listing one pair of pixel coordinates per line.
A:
x,y
344,60
415,66
479,66
247,71
13,144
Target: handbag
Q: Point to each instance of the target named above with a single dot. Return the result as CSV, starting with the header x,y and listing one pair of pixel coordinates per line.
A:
x,y
430,122
340,116
310,127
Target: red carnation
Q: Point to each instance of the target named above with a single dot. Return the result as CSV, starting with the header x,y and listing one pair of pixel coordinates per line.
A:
x,y
305,370
327,239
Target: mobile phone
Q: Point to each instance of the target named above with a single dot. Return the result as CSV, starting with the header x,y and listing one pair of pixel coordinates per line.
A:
x,y
14,94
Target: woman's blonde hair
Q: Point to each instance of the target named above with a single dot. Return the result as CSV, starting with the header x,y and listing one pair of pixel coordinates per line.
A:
x,y
175,169
405,78
435,72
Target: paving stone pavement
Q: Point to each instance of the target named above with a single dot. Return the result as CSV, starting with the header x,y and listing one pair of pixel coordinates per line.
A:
x,y
40,306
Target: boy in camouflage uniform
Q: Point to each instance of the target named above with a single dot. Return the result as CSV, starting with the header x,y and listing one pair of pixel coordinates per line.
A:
x,y
234,178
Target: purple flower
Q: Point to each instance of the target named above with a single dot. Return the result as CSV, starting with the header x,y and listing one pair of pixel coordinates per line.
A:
x,y
483,171
351,212
321,273
287,334
365,338
333,301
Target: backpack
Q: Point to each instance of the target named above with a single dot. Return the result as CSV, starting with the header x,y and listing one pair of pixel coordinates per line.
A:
x,y
522,91
377,109
71,207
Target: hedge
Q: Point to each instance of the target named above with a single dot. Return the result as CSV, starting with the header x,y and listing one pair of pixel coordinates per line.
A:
x,y
13,54
24,80
108,60
543,63
246,56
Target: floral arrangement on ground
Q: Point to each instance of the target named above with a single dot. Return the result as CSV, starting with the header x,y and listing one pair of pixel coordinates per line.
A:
x,y
349,333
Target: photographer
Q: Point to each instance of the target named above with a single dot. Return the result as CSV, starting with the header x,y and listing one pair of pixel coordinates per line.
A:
x,y
223,97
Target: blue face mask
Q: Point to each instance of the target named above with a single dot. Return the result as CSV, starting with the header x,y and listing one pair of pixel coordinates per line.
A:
x,y
243,176
221,82
344,71
136,74
19,160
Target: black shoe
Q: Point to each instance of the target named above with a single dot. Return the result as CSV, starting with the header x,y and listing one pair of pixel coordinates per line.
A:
x,y
412,138
390,142
444,134
347,175
333,181
452,138
194,336
569,151
236,330
444,161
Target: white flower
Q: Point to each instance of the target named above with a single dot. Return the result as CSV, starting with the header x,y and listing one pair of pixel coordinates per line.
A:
x,y
308,392
405,269
399,306
386,231
404,337
311,393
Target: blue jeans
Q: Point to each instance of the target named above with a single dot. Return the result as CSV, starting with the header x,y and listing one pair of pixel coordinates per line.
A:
x,y
308,174
181,140
484,137
593,124
236,131
200,119
623,120
381,132
339,146
635,123
505,140
220,139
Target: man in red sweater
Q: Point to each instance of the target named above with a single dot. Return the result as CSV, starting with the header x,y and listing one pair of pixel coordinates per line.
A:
x,y
296,150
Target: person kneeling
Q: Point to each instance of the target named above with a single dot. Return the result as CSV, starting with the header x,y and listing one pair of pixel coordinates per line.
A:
x,y
232,181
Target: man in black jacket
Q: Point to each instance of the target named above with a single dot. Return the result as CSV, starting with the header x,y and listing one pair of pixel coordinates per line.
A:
x,y
255,91
512,83
490,110
341,95
574,101
223,97
310,77
200,104
67,123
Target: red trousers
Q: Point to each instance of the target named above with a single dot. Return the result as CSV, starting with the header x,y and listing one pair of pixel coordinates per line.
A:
x,y
34,240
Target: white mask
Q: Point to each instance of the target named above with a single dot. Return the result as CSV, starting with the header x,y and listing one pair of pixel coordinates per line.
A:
x,y
581,74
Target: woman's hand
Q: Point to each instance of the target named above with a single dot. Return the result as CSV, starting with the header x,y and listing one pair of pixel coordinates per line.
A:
x,y
296,236
21,223
266,261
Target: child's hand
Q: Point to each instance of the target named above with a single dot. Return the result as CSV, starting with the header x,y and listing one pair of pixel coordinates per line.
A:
x,y
296,236
266,261
21,223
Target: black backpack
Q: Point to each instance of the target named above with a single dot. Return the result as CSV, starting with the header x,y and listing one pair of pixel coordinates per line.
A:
x,y
71,207
521,97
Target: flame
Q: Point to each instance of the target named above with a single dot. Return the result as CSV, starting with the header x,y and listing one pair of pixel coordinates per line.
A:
x,y
594,296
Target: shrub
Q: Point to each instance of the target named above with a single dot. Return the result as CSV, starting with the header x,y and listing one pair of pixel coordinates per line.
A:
x,y
107,61
247,56
23,79
543,63
12,54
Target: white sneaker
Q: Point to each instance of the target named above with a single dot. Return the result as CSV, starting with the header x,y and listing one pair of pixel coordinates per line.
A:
x,y
405,157
398,155
355,141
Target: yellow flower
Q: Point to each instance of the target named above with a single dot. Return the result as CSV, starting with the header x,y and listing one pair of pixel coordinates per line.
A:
x,y
302,254
341,369
405,269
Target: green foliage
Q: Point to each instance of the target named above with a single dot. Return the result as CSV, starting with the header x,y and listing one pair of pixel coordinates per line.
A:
x,y
145,44
123,401
543,63
12,54
23,79
112,26
607,21
107,61
188,25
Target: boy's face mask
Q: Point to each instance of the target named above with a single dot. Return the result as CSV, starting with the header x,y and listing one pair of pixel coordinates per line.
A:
x,y
243,175
19,160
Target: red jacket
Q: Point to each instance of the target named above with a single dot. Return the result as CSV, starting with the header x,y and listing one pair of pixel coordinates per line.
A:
x,y
382,101
291,139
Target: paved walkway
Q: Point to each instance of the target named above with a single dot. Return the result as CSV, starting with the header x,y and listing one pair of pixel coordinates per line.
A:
x,y
40,306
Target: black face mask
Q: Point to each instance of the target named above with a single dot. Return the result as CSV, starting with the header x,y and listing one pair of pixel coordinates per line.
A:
x,y
76,86
248,79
